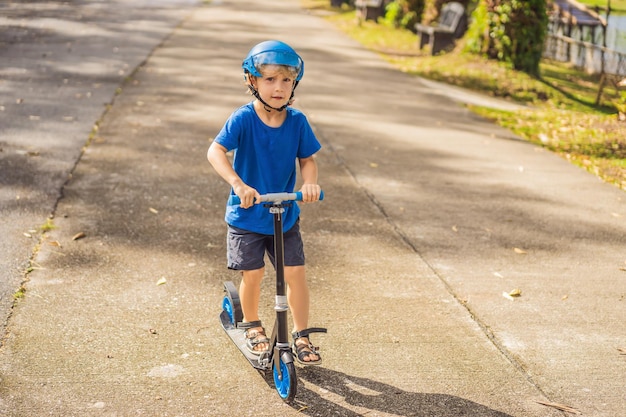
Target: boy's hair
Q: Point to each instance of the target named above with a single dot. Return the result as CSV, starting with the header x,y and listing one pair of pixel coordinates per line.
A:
x,y
283,69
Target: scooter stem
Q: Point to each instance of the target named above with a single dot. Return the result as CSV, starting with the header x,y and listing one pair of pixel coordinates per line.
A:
x,y
281,307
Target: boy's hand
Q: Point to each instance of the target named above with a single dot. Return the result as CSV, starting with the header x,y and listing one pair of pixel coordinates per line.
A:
x,y
310,192
248,195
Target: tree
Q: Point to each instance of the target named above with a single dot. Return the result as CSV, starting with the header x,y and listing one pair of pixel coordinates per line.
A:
x,y
512,31
404,13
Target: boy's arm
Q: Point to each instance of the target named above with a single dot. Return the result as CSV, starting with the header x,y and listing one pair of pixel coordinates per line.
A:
x,y
308,170
218,159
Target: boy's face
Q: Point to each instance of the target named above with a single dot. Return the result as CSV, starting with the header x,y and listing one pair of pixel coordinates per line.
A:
x,y
275,85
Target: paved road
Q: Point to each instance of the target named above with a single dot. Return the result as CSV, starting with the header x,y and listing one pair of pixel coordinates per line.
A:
x,y
60,65
431,214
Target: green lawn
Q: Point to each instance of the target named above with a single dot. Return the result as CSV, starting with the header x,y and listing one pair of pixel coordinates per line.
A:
x,y
563,119
617,6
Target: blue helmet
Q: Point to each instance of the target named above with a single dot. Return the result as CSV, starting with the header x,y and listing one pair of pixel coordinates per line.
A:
x,y
273,53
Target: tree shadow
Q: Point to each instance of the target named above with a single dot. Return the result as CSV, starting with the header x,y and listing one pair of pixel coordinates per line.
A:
x,y
576,98
376,397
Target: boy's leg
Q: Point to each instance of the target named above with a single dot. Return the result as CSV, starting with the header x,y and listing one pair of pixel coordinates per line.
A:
x,y
249,295
297,296
298,299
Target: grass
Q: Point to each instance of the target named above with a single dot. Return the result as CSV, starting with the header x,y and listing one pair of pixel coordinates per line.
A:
x,y
617,6
47,226
20,293
563,116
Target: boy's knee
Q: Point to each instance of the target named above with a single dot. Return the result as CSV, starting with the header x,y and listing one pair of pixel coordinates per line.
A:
x,y
253,276
294,274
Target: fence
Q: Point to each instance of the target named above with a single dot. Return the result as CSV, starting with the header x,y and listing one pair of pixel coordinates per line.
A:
x,y
595,59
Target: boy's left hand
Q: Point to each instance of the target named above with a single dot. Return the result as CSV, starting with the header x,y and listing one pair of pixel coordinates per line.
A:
x,y
310,192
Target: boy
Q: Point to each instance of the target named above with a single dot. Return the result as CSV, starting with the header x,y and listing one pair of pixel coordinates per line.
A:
x,y
268,137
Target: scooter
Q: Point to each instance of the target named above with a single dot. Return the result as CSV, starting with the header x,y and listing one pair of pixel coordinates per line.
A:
x,y
279,358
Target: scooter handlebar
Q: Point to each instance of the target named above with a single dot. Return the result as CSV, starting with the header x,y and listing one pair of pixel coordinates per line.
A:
x,y
233,200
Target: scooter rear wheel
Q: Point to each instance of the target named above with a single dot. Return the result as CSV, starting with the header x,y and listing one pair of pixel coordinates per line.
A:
x,y
231,304
227,306
287,384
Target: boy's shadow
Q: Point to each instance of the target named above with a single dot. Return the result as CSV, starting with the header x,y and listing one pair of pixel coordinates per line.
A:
x,y
376,396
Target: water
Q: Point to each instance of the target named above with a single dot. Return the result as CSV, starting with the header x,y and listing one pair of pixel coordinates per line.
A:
x,y
616,33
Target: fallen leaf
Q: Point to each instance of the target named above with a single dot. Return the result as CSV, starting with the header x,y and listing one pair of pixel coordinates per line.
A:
x,y
78,235
565,297
560,407
506,295
161,281
511,295
54,243
622,351
153,210
520,251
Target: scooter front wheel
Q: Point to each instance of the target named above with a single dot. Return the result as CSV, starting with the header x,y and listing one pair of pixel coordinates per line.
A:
x,y
285,383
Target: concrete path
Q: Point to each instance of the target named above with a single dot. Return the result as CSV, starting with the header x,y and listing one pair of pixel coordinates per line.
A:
x,y
60,65
431,215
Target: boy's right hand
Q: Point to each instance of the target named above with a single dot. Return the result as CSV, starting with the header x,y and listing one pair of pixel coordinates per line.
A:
x,y
248,195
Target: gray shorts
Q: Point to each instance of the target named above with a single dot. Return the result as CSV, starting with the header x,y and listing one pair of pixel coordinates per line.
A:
x,y
246,250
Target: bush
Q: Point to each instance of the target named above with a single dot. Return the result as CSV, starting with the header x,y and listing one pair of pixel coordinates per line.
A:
x,y
404,13
512,31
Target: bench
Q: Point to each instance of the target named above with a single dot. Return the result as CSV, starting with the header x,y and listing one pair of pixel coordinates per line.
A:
x,y
370,9
451,25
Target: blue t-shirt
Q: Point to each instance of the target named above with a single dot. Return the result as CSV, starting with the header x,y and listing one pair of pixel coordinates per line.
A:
x,y
265,159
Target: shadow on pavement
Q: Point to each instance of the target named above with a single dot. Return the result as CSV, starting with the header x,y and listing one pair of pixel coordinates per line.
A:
x,y
366,396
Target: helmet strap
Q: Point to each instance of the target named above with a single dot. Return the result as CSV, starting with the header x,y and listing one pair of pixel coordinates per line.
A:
x,y
266,106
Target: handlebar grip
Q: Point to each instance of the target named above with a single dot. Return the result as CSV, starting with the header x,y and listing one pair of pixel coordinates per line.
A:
x,y
234,200
299,195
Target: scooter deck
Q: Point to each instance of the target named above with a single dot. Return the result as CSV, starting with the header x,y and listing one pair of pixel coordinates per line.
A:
x,y
238,336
